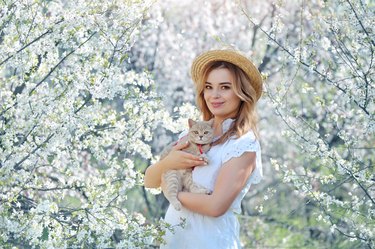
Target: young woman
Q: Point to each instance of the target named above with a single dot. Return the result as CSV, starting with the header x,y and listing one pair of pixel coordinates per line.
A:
x,y
228,86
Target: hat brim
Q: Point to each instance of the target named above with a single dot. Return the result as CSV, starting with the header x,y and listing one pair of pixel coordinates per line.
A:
x,y
200,63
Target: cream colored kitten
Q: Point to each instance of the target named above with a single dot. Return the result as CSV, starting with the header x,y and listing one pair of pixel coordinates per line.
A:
x,y
200,136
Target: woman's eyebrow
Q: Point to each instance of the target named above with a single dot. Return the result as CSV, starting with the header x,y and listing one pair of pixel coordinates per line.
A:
x,y
221,83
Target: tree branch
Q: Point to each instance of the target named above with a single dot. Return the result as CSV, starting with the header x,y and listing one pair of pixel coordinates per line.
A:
x,y
17,166
372,42
59,63
49,31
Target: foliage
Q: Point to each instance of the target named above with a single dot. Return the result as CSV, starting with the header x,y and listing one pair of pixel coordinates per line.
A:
x,y
71,121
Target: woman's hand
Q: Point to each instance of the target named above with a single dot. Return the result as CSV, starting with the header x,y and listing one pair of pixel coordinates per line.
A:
x,y
178,159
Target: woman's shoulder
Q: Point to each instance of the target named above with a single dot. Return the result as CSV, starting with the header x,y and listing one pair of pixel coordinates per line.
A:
x,y
248,137
236,146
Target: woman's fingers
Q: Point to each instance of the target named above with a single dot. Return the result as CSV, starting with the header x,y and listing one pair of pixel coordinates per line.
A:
x,y
196,162
181,146
179,159
190,160
191,156
193,160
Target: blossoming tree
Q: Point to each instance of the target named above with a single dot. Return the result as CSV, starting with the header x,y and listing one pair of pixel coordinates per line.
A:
x,y
71,119
325,96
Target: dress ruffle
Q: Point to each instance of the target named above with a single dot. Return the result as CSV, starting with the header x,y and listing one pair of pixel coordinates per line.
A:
x,y
246,143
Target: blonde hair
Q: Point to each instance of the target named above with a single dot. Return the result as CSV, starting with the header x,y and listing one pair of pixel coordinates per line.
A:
x,y
246,117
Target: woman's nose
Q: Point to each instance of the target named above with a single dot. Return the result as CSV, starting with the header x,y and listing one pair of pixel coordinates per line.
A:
x,y
216,93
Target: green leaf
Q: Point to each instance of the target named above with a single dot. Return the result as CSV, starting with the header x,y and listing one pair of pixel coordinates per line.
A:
x,y
45,234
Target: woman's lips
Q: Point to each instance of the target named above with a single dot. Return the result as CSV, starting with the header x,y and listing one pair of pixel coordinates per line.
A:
x,y
217,104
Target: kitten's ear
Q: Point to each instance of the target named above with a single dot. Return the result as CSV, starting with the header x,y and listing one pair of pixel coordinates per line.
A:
x,y
191,122
211,122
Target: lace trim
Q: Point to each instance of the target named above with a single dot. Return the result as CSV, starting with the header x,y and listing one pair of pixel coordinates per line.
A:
x,y
237,147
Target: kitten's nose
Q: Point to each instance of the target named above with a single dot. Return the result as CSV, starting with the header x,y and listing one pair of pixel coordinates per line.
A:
x,y
200,137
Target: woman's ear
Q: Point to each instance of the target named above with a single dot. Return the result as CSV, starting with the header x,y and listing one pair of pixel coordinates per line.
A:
x,y
191,122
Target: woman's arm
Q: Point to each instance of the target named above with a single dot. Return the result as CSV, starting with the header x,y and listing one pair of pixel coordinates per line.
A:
x,y
230,181
176,159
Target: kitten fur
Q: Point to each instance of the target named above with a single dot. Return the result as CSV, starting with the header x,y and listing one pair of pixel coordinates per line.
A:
x,y
200,132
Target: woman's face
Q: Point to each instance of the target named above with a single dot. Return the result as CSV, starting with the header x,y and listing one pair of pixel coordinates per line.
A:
x,y
219,95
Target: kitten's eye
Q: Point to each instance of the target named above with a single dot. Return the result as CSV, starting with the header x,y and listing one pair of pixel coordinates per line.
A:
x,y
196,132
206,132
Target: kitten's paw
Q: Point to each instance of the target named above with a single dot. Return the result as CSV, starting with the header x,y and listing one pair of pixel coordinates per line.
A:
x,y
205,160
201,190
208,192
177,206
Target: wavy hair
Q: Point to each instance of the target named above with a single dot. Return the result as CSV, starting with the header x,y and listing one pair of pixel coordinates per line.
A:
x,y
246,117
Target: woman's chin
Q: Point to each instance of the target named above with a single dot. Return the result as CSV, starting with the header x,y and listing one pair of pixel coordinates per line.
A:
x,y
220,115
216,112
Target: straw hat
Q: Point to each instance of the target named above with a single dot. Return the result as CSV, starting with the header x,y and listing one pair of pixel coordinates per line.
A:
x,y
231,56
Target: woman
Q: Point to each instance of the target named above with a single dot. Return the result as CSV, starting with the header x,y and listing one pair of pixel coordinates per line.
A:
x,y
228,86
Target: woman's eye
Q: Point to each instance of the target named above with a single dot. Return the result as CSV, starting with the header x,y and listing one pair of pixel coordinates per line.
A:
x,y
225,87
207,87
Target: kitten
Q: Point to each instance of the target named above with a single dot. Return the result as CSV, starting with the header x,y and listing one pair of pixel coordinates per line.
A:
x,y
200,136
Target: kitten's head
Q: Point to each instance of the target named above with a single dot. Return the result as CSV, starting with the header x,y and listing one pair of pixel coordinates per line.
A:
x,y
201,132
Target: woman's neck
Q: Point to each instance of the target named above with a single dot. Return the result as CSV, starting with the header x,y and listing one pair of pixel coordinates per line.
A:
x,y
218,131
218,125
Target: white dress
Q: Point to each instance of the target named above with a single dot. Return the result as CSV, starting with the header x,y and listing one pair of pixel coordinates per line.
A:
x,y
205,232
